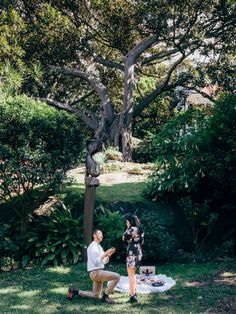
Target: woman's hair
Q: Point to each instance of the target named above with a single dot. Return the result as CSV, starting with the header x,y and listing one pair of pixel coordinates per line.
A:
x,y
133,219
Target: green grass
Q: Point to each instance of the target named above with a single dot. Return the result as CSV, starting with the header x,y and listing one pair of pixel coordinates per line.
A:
x,y
199,288
125,192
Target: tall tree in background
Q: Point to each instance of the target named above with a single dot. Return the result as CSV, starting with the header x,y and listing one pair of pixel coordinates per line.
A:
x,y
97,51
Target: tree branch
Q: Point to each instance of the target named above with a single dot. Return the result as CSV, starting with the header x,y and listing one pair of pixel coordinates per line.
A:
x,y
141,47
205,95
159,55
89,120
81,99
95,83
109,63
101,60
163,86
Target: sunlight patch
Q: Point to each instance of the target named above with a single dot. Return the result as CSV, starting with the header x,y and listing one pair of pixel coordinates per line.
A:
x,y
20,307
194,284
60,290
227,274
30,293
59,270
9,290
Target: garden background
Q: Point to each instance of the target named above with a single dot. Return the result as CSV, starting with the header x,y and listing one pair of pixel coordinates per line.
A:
x,y
154,81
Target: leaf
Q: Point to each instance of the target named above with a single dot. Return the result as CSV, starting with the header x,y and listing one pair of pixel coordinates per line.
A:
x,y
44,261
51,257
25,260
64,254
35,238
55,262
68,236
75,259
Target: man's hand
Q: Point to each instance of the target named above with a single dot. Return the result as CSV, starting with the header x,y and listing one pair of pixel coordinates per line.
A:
x,y
110,251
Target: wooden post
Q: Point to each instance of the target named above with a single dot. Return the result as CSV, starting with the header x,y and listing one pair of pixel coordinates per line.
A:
x,y
89,199
90,191
91,182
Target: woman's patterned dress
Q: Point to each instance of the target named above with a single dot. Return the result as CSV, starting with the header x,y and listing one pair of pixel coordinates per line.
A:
x,y
134,237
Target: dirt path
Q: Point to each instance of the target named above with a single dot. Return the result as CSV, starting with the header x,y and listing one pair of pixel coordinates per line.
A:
x,y
115,177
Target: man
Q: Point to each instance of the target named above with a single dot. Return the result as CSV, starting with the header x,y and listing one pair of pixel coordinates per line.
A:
x,y
97,259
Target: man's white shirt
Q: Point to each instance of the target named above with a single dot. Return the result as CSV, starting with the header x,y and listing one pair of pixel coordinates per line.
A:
x,y
94,252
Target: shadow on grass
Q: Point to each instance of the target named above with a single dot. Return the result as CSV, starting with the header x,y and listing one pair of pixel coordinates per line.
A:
x,y
126,192
43,290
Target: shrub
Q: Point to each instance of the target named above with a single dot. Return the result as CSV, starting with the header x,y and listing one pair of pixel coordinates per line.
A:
x,y
145,151
159,244
8,247
196,159
38,145
201,220
113,153
53,240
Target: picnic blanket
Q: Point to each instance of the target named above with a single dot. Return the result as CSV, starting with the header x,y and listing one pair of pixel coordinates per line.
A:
x,y
146,287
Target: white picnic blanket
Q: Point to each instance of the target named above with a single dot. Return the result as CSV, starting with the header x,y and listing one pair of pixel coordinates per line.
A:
x,y
143,287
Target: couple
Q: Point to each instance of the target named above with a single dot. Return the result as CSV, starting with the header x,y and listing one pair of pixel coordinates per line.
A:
x,y
97,258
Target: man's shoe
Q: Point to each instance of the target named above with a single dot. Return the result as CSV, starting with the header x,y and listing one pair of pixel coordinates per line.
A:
x,y
105,298
71,293
133,299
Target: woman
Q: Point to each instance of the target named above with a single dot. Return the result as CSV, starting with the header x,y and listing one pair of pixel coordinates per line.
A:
x,y
134,236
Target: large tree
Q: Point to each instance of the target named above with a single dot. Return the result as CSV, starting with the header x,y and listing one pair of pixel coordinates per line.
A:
x,y
97,51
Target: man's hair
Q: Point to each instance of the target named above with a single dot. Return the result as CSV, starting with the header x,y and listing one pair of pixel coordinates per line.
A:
x,y
95,231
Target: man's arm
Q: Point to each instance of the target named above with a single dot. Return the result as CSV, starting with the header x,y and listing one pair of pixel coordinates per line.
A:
x,y
97,258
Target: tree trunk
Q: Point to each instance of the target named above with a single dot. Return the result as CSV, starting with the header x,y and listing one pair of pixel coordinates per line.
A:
x,y
126,143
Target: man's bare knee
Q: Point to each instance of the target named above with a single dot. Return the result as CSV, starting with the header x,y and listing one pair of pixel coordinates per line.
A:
x,y
117,276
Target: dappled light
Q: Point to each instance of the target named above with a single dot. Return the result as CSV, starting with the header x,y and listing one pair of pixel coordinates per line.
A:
x,y
44,290
59,270
117,123
195,284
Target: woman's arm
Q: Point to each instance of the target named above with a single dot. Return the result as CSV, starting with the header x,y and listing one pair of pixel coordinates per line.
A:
x,y
141,236
127,235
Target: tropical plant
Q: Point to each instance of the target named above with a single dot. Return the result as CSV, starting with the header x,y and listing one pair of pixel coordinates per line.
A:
x,y
53,240
112,225
8,247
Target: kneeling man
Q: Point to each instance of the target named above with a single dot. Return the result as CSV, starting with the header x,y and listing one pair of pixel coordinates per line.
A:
x,y
97,259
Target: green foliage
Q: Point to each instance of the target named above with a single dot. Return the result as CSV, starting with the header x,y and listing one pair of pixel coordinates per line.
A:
x,y
112,225
196,158
146,150
73,200
8,247
10,80
38,145
53,240
200,218
158,113
159,244
54,35
12,28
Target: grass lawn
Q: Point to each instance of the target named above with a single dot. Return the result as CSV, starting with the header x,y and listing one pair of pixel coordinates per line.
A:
x,y
126,192
200,288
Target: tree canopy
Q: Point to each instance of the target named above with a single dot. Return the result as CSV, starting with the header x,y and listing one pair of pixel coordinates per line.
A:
x,y
91,57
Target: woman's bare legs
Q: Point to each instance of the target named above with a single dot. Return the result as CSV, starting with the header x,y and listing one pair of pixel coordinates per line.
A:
x,y
132,280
